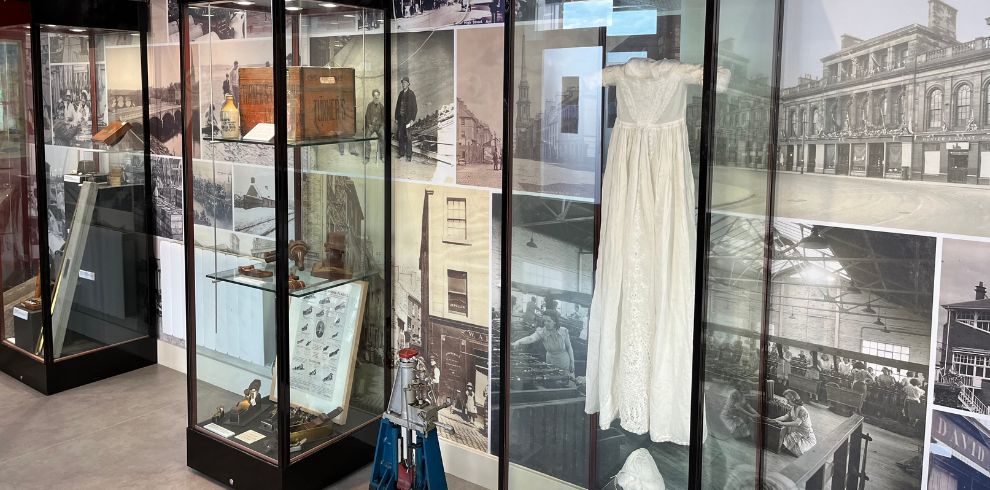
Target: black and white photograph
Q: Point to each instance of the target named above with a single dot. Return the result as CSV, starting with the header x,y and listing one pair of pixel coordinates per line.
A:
x,y
450,229
423,107
479,107
208,23
963,357
958,452
213,194
884,109
552,284
850,331
231,242
60,160
558,100
70,105
351,50
424,15
166,187
64,48
158,22
123,91
254,200
172,19
165,99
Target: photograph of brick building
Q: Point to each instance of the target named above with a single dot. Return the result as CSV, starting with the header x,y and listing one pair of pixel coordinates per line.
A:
x,y
442,301
963,358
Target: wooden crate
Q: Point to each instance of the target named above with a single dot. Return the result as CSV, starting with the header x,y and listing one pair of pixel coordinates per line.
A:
x,y
321,101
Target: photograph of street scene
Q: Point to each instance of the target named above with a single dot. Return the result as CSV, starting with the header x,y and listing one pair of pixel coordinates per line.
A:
x,y
881,116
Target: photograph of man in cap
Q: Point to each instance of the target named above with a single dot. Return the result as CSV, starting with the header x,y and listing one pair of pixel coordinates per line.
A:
x,y
405,115
373,126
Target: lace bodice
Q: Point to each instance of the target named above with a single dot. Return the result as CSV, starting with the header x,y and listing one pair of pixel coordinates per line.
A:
x,y
654,93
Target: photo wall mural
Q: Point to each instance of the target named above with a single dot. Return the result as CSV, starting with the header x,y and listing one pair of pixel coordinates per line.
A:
x,y
447,142
882,193
880,228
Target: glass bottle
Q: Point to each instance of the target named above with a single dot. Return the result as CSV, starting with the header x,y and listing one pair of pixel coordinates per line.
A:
x,y
230,119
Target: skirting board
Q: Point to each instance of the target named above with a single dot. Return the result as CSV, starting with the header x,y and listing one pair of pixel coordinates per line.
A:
x,y
172,356
469,464
523,477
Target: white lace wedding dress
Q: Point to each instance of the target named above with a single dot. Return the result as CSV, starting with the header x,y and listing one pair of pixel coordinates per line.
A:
x,y
642,311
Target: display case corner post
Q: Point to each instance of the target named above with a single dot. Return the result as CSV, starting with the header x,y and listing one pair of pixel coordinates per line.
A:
x,y
279,63
505,355
149,200
41,172
706,154
387,168
773,124
188,223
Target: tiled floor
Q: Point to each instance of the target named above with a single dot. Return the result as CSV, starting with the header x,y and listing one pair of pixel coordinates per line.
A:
x,y
123,432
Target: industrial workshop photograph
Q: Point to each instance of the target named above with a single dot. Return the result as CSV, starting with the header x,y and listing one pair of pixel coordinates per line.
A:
x,y
495,244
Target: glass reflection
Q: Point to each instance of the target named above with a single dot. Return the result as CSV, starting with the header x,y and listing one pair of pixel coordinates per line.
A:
x,y
20,322
734,378
93,113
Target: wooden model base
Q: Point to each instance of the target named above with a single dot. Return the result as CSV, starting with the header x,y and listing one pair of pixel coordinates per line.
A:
x,y
249,270
33,304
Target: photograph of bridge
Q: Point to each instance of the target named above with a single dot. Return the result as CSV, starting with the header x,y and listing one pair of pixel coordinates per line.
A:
x,y
164,97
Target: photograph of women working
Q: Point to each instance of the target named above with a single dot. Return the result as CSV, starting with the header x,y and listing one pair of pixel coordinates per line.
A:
x,y
799,435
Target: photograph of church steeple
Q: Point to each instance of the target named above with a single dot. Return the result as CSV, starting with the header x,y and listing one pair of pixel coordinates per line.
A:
x,y
557,112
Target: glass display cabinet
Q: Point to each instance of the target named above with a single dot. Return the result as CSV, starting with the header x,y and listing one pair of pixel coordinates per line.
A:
x,y
571,65
76,255
285,130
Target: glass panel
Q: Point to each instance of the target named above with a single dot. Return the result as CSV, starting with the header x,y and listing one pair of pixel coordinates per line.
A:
x,y
20,324
336,221
91,85
446,102
233,198
556,138
853,276
565,128
734,320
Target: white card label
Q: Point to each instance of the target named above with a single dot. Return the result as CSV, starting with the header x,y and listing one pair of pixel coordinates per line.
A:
x,y
87,275
73,178
216,429
20,313
250,436
262,132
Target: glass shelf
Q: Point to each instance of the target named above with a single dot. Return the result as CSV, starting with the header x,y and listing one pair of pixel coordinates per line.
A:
x,y
313,284
297,144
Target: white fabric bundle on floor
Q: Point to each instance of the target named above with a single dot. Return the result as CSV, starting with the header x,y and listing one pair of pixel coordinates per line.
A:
x,y
639,472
